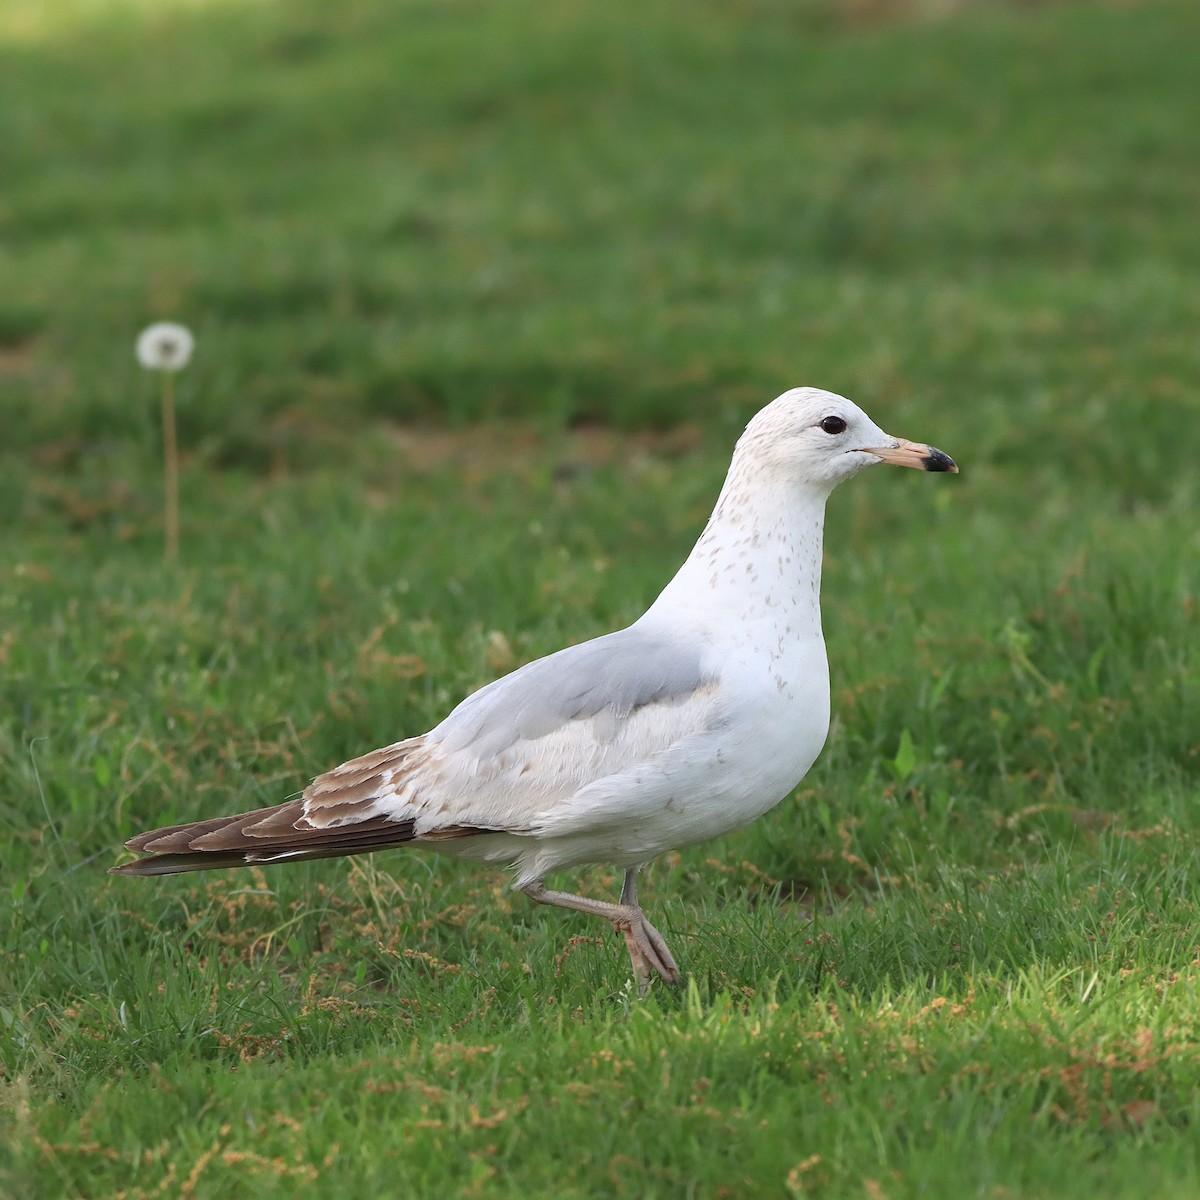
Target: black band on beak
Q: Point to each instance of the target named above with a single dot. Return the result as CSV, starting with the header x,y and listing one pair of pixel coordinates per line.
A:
x,y
936,460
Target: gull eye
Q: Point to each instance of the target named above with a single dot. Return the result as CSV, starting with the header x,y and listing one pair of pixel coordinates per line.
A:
x,y
833,424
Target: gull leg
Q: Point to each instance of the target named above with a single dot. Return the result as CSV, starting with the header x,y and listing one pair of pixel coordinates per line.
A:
x,y
647,950
657,944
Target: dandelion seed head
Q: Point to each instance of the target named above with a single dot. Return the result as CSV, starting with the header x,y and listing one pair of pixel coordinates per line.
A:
x,y
165,346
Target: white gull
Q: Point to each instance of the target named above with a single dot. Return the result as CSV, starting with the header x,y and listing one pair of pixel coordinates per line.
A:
x,y
693,721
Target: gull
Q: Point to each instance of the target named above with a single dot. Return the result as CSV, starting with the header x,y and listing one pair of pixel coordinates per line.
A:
x,y
693,721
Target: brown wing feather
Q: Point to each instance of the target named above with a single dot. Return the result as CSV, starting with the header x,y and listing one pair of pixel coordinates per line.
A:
x,y
331,819
263,836
350,791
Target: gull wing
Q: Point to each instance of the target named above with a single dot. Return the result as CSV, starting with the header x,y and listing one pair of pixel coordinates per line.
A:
x,y
558,747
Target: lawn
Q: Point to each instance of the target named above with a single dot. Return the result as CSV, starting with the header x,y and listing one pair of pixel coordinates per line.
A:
x,y
483,295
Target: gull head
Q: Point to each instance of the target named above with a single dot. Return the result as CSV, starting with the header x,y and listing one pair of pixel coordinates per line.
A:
x,y
820,438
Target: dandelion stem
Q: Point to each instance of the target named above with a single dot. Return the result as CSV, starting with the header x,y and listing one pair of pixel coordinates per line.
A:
x,y
170,469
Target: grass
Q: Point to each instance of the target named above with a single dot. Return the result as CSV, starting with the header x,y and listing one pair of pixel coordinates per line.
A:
x,y
483,295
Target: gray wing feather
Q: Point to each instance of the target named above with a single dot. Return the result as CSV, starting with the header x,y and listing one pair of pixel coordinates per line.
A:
x,y
607,678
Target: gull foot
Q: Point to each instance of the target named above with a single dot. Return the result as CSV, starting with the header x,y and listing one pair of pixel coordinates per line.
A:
x,y
647,951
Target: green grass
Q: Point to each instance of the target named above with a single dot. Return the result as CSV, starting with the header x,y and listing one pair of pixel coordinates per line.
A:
x,y
483,294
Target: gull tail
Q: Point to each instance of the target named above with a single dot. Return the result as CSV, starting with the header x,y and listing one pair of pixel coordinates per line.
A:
x,y
280,833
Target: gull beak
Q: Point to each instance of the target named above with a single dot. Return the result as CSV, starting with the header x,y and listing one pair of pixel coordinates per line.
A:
x,y
914,454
